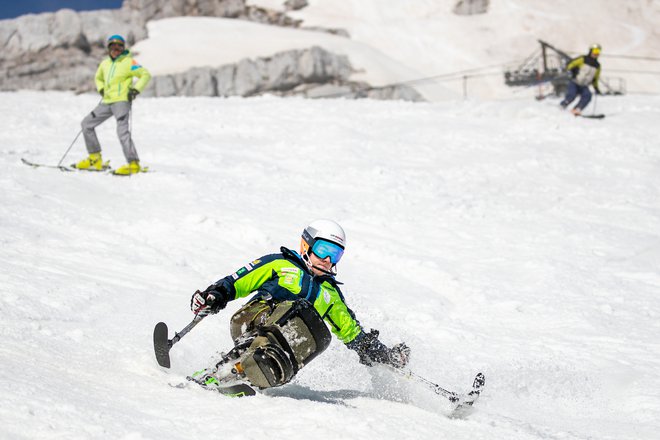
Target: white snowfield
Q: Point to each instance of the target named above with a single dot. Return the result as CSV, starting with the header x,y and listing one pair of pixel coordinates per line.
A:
x,y
408,41
502,237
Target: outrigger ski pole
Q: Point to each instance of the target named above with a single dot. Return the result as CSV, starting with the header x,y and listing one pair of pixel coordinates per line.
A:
x,y
460,399
162,344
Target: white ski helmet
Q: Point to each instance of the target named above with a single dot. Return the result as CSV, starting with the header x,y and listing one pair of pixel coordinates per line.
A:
x,y
317,235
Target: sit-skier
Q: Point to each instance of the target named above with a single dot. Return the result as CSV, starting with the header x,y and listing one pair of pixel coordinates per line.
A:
x,y
285,323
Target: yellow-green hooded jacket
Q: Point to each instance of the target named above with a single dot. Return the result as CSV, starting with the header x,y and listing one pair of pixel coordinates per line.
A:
x,y
115,77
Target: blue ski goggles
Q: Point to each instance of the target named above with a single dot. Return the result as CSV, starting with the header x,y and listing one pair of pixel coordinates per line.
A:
x,y
324,249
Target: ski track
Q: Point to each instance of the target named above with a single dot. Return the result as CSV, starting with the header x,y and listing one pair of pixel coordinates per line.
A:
x,y
503,237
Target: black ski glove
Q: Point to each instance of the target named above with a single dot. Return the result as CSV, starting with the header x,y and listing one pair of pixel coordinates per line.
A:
x,y
597,90
399,355
132,94
371,351
210,301
102,93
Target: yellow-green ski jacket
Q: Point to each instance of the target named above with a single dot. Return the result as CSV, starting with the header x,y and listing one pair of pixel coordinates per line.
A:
x,y
286,277
115,77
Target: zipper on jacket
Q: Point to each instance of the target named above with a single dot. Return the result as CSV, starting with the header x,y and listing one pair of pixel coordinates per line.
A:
x,y
309,291
111,72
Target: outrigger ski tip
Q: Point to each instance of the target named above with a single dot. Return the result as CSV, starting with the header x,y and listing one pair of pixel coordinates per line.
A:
x,y
467,400
162,345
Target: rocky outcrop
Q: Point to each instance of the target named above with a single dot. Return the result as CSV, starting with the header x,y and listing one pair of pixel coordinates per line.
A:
x,y
471,7
294,5
353,90
61,51
157,9
57,50
313,73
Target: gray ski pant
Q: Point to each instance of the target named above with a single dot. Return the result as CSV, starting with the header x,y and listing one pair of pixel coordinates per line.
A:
x,y
121,111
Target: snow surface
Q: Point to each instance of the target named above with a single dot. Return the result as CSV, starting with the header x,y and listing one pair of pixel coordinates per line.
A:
x,y
503,237
401,41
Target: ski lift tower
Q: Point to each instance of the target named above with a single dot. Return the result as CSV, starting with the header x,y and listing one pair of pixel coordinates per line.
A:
x,y
546,65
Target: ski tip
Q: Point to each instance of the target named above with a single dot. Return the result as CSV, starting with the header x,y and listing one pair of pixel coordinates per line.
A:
x,y
42,165
479,381
240,390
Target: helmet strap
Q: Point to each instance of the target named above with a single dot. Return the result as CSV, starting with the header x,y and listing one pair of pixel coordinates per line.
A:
x,y
308,262
332,271
310,266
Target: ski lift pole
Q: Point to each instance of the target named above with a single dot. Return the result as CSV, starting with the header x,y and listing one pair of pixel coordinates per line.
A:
x,y
595,102
465,79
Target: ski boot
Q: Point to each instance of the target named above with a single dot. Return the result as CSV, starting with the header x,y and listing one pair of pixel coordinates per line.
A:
x,y
228,384
133,167
94,162
227,377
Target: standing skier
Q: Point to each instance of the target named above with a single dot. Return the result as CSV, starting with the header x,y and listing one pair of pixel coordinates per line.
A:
x,y
114,82
585,71
282,328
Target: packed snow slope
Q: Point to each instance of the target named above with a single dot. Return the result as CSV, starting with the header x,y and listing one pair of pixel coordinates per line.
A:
x,y
503,237
403,41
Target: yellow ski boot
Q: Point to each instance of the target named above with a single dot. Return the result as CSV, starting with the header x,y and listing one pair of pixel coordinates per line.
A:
x,y
130,168
94,162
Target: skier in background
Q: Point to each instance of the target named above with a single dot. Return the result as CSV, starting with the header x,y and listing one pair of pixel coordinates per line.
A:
x,y
585,71
286,285
114,82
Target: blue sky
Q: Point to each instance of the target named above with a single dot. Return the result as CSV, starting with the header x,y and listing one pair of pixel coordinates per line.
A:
x,y
14,8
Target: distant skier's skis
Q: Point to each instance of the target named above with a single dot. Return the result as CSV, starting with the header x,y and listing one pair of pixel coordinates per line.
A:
x,y
106,166
41,165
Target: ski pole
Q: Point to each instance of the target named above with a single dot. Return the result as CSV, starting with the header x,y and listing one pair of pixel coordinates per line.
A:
x,y
162,344
462,399
452,396
59,164
185,330
595,102
69,149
